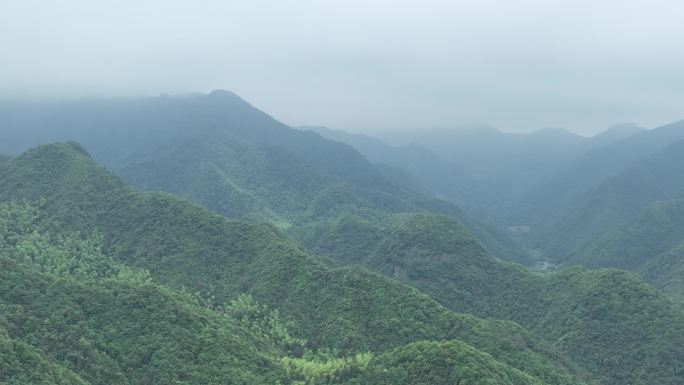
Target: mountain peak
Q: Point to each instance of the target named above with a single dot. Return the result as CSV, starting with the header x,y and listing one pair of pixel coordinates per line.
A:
x,y
61,150
618,132
225,95
53,169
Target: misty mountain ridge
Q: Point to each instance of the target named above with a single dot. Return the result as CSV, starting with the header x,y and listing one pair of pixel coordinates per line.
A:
x,y
334,257
348,193
218,150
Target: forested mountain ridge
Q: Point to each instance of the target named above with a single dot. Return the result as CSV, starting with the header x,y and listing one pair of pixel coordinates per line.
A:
x,y
444,178
609,160
345,308
509,165
571,307
247,147
553,205
652,246
223,153
618,200
63,299
616,133
277,182
183,245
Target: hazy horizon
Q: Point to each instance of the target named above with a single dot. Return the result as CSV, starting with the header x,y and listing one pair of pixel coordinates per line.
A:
x,y
516,65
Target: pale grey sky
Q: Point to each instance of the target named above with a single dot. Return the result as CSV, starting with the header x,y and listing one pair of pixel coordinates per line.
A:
x,y
363,65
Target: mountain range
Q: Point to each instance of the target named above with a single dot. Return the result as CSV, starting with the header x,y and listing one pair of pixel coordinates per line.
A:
x,y
203,241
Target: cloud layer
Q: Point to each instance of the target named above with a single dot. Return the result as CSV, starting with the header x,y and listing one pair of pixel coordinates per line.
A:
x,y
364,65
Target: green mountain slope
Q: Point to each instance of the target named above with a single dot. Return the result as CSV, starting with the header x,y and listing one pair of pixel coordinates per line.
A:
x,y
433,253
353,310
62,298
117,333
304,289
223,153
607,161
507,165
20,364
183,245
130,335
605,188
650,246
609,320
187,144
426,363
441,258
443,179
617,201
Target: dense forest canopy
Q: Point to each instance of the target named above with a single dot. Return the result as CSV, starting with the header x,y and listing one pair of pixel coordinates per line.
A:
x,y
205,242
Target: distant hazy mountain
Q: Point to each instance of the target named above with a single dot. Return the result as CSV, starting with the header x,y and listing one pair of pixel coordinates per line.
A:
x,y
215,148
510,166
607,161
616,133
488,154
440,176
631,221
606,188
220,151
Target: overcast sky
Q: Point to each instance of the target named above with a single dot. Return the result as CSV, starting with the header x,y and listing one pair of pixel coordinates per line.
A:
x,y
363,65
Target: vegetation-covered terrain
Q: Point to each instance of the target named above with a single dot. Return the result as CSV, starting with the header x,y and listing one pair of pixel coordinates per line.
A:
x,y
132,240
274,255
618,200
606,205
223,153
588,314
650,246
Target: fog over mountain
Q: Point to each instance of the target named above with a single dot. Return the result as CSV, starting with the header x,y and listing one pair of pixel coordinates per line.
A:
x,y
364,66
305,192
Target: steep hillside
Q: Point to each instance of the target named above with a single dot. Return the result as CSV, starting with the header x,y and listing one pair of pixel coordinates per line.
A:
x,y
188,144
609,320
510,168
616,202
552,206
20,363
651,246
221,152
118,333
446,362
441,258
433,253
113,328
606,161
351,309
183,245
444,178
508,165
